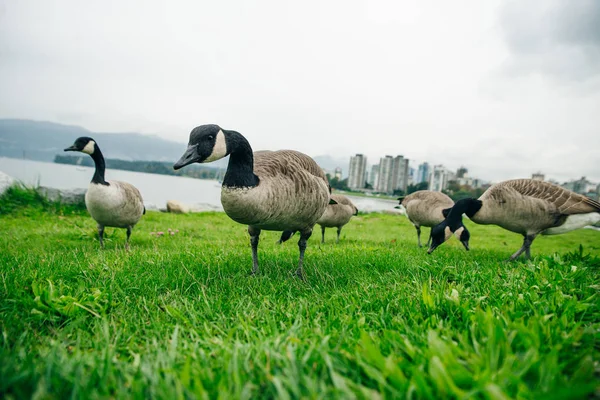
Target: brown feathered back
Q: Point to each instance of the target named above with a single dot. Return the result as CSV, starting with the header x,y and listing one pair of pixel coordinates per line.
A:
x,y
292,193
565,201
338,215
424,207
529,207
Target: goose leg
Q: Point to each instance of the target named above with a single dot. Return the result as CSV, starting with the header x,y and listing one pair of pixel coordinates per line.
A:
x,y
419,235
322,234
302,246
101,235
429,240
254,235
128,236
527,240
338,237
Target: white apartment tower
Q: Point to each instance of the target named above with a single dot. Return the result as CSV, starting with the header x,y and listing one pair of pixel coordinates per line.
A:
x,y
356,172
439,178
393,174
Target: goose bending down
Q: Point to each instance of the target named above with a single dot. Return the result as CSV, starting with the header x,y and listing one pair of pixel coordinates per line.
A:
x,y
429,208
524,206
111,203
335,216
282,190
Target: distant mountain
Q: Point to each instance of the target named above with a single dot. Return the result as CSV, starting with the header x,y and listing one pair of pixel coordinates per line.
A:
x,y
42,141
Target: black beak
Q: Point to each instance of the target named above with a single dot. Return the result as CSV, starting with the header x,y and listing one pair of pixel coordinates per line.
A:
x,y
431,249
466,244
356,212
71,148
398,207
190,156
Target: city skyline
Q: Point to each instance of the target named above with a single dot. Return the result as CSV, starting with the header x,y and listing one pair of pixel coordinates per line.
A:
x,y
380,176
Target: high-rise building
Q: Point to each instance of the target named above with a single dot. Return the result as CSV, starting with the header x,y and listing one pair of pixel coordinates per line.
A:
x,y
400,174
393,174
440,176
411,176
462,172
356,171
538,176
583,186
338,173
374,176
423,173
384,183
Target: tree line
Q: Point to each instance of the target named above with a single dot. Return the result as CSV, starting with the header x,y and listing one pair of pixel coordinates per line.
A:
x,y
151,167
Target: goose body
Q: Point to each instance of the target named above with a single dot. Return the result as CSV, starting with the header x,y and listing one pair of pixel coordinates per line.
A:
x,y
529,207
429,208
337,215
118,204
291,194
110,203
281,190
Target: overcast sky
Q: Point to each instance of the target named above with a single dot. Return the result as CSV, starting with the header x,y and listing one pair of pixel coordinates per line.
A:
x,y
505,88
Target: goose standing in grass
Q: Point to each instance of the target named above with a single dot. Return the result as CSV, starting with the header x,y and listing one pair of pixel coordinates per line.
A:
x,y
524,206
335,216
111,203
429,208
267,190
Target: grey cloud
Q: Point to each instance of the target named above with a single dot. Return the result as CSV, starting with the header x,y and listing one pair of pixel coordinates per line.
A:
x,y
559,38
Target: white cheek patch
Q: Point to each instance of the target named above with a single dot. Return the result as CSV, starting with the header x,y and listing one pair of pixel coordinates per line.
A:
x,y
219,149
447,233
89,148
459,232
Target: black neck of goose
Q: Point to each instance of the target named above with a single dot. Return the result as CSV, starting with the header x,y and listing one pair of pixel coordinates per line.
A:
x,y
240,170
470,207
98,158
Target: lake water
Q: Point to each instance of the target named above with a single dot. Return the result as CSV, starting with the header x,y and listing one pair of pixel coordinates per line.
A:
x,y
156,189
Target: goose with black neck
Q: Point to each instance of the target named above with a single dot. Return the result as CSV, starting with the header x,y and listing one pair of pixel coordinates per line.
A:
x,y
266,190
524,206
111,203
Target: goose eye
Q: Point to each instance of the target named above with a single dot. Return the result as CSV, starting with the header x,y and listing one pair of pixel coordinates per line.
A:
x,y
210,137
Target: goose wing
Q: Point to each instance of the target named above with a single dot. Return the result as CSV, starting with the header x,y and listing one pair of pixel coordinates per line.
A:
x,y
433,198
287,162
342,200
132,198
565,201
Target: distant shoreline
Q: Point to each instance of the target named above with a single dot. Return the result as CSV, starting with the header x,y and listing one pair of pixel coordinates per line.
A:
x,y
149,167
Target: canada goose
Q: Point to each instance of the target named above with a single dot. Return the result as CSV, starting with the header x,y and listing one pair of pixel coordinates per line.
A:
x,y
335,215
111,203
271,190
429,208
524,206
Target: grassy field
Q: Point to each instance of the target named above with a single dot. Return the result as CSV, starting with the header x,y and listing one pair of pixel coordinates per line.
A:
x,y
179,317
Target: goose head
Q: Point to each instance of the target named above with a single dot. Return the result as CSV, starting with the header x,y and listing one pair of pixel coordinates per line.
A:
x,y
443,231
207,143
83,144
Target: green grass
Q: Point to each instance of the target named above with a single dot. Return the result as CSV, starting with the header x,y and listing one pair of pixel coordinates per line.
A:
x,y
179,317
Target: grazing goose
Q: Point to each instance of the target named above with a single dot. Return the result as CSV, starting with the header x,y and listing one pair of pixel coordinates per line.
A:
x,y
429,208
111,203
335,215
272,190
524,206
